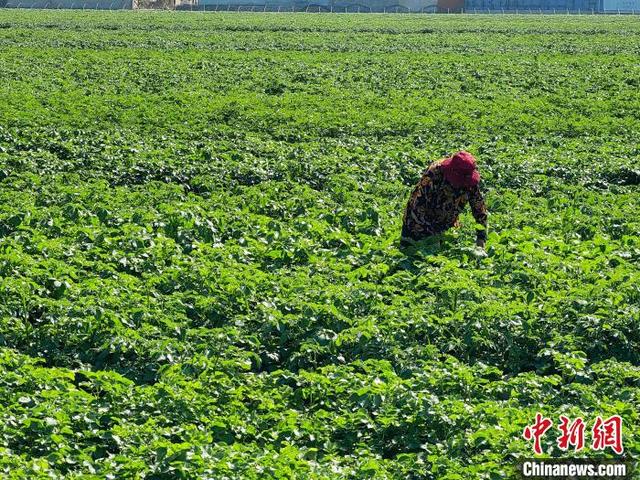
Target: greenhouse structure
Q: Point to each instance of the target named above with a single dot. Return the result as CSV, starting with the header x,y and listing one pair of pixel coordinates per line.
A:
x,y
363,6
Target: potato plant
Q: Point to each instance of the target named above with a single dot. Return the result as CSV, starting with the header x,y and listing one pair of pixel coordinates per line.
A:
x,y
200,274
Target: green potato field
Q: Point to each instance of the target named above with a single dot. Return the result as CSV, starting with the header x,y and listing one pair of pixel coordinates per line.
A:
x,y
200,269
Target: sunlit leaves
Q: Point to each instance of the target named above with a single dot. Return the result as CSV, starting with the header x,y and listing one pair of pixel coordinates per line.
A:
x,y
199,268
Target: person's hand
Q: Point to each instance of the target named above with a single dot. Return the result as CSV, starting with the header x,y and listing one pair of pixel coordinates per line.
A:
x,y
479,252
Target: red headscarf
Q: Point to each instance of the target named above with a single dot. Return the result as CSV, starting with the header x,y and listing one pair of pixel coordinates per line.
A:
x,y
460,170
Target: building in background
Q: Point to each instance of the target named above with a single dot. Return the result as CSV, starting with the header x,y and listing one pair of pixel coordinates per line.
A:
x,y
622,6
601,6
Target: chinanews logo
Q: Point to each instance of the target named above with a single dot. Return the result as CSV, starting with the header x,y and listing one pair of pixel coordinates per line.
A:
x,y
604,433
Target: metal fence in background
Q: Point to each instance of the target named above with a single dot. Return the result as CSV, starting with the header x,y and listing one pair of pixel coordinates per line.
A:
x,y
71,4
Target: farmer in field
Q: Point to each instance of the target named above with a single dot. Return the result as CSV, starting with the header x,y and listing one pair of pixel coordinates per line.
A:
x,y
441,195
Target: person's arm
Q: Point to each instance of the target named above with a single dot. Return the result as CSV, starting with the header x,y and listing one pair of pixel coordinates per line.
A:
x,y
479,211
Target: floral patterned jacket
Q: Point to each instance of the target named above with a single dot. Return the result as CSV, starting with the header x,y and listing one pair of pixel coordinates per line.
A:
x,y
435,204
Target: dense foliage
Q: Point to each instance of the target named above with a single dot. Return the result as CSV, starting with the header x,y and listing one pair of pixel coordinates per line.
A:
x,y
199,261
